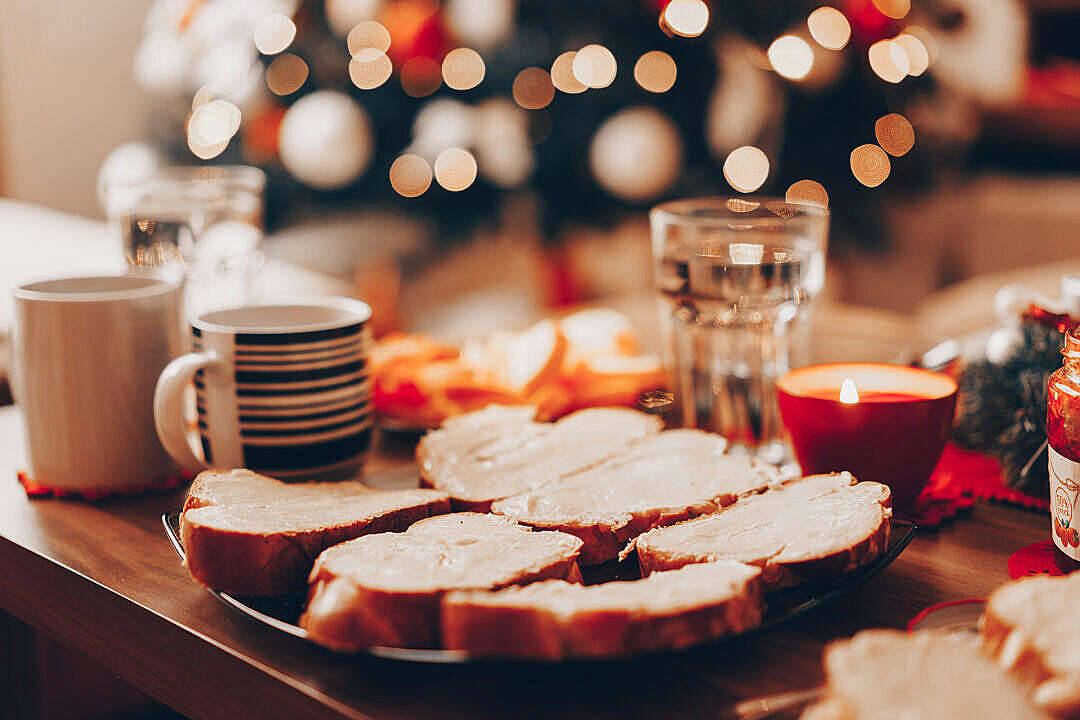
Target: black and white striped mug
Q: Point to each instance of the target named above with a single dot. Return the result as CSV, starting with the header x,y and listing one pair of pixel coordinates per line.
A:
x,y
282,389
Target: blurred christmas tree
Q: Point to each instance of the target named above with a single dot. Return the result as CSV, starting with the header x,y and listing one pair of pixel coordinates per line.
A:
x,y
440,109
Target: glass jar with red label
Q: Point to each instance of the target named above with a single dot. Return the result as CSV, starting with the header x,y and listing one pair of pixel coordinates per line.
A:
x,y
1063,434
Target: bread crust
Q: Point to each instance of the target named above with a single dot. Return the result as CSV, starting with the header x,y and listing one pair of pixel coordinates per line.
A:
x,y
347,616
277,563
485,629
457,504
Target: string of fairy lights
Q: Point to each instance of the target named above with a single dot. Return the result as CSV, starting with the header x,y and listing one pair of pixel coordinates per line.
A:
x,y
793,56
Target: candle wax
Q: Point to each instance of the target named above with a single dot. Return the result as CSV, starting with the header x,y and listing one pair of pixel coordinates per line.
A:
x,y
867,396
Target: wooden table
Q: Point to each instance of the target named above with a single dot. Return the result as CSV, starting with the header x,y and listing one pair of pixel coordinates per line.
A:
x,y
104,580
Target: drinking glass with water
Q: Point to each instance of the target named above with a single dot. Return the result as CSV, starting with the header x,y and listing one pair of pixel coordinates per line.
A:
x,y
204,221
736,279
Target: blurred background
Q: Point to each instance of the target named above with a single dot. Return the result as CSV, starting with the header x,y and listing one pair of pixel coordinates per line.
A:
x,y
508,150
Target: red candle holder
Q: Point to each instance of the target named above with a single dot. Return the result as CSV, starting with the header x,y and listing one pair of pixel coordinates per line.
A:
x,y
885,423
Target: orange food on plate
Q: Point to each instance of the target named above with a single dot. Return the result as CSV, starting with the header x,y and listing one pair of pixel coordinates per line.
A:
x,y
587,359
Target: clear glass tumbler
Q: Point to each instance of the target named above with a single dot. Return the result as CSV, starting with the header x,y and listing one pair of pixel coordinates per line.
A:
x,y
735,279
205,221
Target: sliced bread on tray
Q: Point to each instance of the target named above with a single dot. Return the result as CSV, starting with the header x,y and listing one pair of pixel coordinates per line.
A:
x,y
500,451
248,534
245,487
555,619
889,675
814,527
1032,628
660,480
385,590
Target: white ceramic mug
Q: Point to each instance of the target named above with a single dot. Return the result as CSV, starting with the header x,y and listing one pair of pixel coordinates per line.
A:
x,y
282,389
86,355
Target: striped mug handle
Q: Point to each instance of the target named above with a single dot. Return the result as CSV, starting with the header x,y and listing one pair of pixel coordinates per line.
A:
x,y
169,406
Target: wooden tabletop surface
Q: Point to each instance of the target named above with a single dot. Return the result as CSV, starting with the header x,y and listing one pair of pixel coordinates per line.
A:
x,y
104,579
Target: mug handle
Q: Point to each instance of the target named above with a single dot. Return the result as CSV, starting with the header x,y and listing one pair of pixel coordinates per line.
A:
x,y
169,408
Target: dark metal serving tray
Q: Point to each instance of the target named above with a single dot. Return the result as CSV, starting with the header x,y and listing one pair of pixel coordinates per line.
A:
x,y
281,613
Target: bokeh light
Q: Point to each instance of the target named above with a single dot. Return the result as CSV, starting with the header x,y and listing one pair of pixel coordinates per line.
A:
x,y
484,24
410,175
420,76
889,61
366,38
455,169
741,205
807,192
829,28
274,33
202,96
686,18
791,57
370,74
562,74
326,139
214,122
462,69
894,134
746,168
655,71
533,89
896,9
206,152
594,66
286,74
926,38
210,128
637,153
870,165
343,15
918,57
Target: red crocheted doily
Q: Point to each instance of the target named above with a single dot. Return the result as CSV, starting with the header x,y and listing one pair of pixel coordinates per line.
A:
x,y
160,485
961,478
1042,558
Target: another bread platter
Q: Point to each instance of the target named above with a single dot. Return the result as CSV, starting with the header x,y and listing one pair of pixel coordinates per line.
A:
x,y
281,613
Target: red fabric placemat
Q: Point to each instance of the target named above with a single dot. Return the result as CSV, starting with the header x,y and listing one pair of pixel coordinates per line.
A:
x,y
981,475
161,485
961,478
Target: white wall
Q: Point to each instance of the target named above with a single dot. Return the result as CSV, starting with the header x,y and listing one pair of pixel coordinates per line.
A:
x,y
67,96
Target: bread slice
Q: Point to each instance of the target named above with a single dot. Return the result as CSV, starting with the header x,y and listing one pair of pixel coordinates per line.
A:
x,y
1031,626
244,487
819,526
555,619
661,480
887,675
500,451
385,590
248,534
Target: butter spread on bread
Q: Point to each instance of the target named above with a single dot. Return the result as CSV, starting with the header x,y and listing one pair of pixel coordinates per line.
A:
x,y
248,534
385,589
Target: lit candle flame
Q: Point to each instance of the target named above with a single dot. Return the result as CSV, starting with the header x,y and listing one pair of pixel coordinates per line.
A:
x,y
849,394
